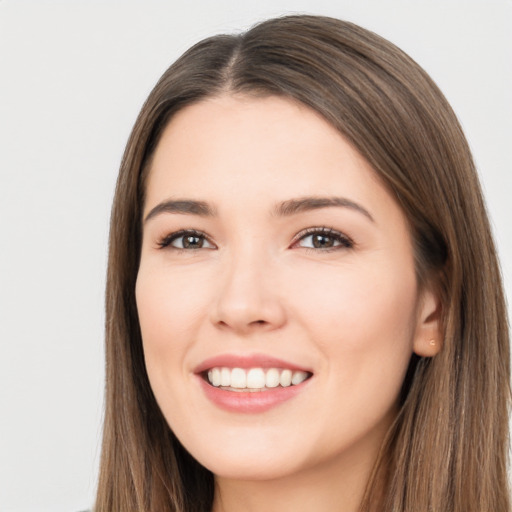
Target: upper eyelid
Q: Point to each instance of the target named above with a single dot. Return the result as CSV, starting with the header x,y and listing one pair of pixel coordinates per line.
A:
x,y
322,230
328,231
344,242
166,240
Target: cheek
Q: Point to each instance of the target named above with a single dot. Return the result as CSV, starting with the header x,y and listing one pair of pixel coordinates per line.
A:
x,y
169,306
168,303
362,319
357,299
363,323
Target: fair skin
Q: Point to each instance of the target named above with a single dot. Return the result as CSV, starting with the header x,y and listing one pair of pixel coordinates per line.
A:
x,y
242,268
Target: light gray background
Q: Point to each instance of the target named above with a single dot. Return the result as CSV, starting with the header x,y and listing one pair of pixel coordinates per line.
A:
x,y
73,76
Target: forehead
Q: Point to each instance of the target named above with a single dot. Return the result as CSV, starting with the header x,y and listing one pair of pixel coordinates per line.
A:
x,y
237,147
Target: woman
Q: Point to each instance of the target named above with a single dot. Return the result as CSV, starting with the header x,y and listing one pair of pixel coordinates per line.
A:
x,y
304,307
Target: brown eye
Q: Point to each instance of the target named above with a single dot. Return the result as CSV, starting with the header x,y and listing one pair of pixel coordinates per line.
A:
x,y
191,242
324,239
186,240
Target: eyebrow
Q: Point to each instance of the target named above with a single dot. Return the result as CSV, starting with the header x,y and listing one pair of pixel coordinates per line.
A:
x,y
303,204
283,209
183,206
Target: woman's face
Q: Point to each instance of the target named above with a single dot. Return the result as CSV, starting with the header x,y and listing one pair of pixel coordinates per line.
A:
x,y
276,293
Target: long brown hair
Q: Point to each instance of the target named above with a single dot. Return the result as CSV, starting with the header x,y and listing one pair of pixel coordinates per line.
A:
x,y
447,450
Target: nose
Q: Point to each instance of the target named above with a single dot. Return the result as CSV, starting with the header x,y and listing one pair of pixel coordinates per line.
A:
x,y
248,298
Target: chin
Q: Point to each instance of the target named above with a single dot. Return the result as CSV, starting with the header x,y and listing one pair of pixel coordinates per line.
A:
x,y
250,468
248,455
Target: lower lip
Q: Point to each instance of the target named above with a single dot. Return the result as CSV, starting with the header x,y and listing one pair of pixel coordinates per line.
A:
x,y
250,402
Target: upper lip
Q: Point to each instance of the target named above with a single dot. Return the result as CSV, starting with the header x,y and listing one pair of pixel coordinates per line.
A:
x,y
247,361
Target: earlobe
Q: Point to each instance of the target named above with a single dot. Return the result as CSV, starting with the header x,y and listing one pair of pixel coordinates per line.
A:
x,y
428,340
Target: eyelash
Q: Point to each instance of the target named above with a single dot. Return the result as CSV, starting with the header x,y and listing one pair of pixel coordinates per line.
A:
x,y
170,238
344,242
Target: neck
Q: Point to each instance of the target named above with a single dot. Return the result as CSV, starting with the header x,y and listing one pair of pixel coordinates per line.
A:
x,y
324,488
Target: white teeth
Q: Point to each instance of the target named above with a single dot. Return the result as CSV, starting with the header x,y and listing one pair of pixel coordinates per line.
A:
x,y
214,376
299,377
255,378
225,377
272,378
238,378
286,378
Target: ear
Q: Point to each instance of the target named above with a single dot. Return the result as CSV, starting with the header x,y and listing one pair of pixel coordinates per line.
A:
x,y
428,339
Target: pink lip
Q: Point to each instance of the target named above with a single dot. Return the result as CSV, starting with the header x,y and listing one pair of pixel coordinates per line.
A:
x,y
246,401
246,361
250,402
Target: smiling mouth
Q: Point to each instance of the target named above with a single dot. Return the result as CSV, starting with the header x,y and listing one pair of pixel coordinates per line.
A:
x,y
254,379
